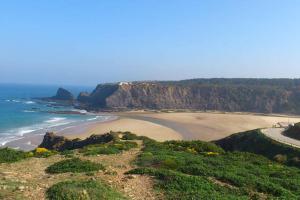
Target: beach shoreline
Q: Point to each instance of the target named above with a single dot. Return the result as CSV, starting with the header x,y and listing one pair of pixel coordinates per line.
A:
x,y
162,126
31,140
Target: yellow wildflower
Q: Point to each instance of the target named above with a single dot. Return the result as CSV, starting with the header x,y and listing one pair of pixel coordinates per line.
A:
x,y
212,153
191,150
41,150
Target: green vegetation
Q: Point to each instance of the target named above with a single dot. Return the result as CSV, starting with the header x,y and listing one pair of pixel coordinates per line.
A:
x,y
256,142
108,148
293,131
238,167
82,190
74,165
67,153
8,155
200,170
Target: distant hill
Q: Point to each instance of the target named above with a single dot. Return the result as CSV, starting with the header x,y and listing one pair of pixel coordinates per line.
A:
x,y
233,95
256,142
293,131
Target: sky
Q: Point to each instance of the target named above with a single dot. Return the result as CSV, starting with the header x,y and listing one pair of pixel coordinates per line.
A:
x,y
86,42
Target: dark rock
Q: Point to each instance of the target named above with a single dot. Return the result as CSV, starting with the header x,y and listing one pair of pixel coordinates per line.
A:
x,y
60,143
293,131
83,97
62,98
63,95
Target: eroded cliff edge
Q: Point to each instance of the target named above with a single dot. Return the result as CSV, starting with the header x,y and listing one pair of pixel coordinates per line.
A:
x,y
245,95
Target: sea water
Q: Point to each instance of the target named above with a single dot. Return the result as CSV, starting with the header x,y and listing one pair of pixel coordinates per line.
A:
x,y
21,113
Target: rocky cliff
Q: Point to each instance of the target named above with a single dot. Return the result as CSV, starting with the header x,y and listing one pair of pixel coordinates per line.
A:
x,y
248,95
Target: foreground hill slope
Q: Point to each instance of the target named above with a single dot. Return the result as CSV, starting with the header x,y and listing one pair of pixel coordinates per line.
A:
x,y
256,142
248,95
126,166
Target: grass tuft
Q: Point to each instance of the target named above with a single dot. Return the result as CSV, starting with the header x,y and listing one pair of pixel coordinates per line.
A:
x,y
82,190
8,155
75,165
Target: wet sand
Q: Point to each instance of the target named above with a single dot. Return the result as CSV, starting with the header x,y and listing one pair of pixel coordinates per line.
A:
x,y
163,126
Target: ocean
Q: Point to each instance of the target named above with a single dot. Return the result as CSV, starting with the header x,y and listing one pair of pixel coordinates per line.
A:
x,y
21,113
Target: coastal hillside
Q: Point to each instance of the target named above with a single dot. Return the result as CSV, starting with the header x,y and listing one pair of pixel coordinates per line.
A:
x,y
121,165
255,142
293,131
245,95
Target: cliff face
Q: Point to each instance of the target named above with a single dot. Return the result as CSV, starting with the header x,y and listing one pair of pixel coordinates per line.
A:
x,y
265,98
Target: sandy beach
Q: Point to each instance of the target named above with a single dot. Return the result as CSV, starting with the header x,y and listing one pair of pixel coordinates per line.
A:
x,y
138,126
187,126
161,126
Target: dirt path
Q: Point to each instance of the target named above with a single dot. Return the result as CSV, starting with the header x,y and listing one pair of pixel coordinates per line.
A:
x,y
27,179
276,134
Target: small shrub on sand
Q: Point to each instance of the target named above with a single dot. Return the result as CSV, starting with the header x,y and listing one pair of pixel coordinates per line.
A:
x,y
67,153
129,136
111,148
82,190
74,165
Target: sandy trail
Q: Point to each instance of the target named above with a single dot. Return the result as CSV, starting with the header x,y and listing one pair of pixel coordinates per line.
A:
x,y
276,134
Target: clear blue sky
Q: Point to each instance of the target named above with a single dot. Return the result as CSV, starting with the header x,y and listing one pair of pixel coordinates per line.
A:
x,y
88,42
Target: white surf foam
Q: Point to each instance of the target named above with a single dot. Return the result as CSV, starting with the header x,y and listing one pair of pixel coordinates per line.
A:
x,y
51,124
94,118
29,102
80,111
29,111
55,119
5,140
23,131
59,124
